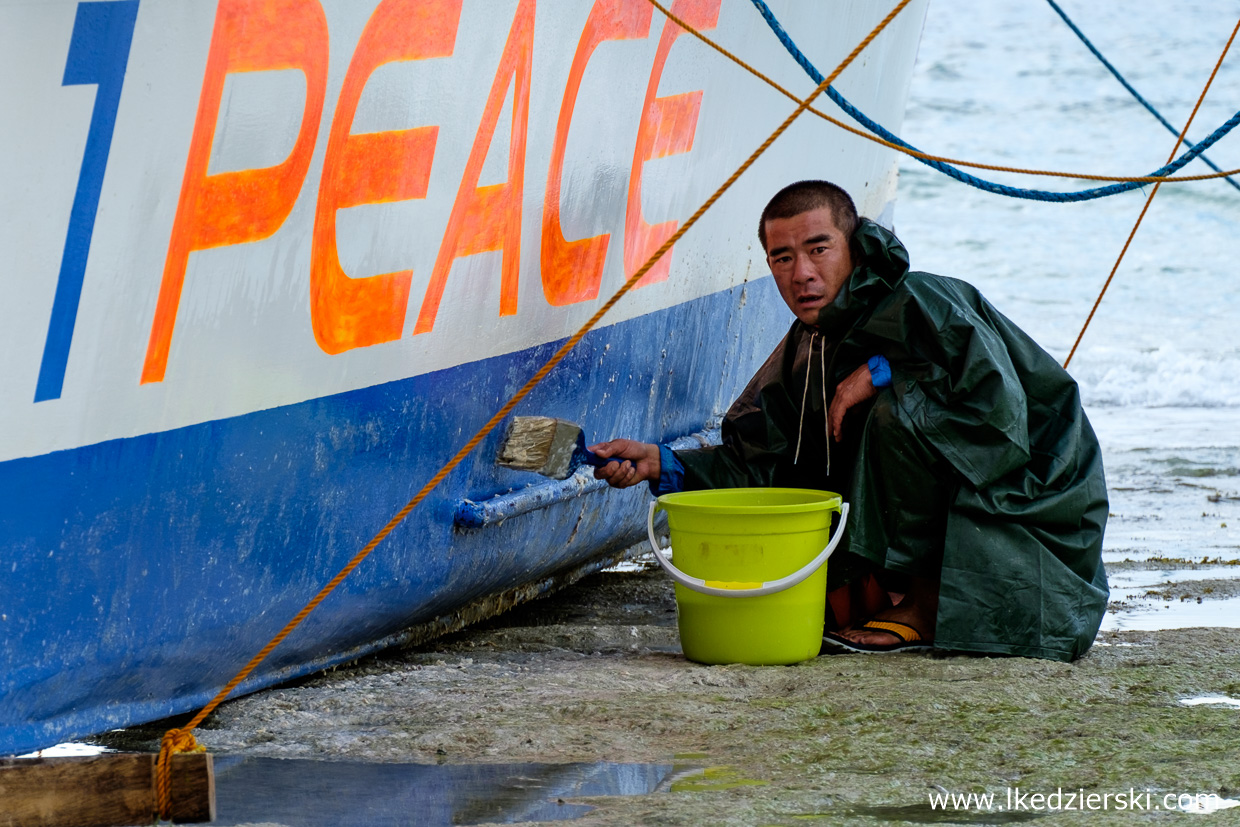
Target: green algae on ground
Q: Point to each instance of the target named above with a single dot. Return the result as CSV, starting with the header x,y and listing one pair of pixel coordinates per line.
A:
x,y
710,779
847,739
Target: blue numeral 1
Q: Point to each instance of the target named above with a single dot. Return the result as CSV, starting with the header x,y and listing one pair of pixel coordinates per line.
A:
x,y
98,54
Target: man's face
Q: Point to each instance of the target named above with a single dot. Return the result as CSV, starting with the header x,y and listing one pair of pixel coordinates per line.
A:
x,y
810,260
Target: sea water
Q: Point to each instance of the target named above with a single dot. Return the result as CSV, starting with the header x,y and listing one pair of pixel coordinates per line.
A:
x,y
1159,367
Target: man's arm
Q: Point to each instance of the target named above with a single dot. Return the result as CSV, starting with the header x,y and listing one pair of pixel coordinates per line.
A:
x,y
754,442
860,385
666,476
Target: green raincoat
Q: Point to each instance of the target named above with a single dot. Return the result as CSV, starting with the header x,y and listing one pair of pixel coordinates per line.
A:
x,y
977,462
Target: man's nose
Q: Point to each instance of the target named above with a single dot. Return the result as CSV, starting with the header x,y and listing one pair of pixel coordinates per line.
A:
x,y
803,270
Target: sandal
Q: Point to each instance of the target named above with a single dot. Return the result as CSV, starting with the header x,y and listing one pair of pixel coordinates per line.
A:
x,y
908,639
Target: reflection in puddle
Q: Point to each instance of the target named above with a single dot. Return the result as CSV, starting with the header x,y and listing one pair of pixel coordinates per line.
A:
x,y
307,793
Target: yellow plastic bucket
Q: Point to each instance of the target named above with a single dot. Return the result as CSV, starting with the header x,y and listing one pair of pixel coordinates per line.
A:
x,y
750,571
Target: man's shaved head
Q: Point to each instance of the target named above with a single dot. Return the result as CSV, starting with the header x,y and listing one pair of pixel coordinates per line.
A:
x,y
804,196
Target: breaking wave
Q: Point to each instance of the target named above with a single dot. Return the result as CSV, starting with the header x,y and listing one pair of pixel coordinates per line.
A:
x,y
1159,377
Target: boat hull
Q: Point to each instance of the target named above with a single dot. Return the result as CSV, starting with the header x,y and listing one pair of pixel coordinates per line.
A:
x,y
276,261
191,548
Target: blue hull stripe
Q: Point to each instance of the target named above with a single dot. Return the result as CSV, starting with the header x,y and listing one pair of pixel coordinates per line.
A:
x,y
143,572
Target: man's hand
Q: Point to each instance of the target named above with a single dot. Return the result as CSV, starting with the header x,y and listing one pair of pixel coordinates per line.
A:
x,y
641,462
857,387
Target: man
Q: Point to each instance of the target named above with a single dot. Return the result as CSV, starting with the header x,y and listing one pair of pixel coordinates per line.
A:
x,y
975,480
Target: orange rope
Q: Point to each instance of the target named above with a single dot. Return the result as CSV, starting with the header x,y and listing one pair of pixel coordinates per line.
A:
x,y
175,740
1167,179
1148,200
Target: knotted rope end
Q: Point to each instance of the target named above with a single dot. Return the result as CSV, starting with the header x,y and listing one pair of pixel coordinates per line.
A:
x,y
174,741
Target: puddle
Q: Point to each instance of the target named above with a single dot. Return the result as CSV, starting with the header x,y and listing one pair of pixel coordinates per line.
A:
x,y
1212,700
639,563
1153,616
1146,612
308,793
1124,582
71,749
1208,804
275,792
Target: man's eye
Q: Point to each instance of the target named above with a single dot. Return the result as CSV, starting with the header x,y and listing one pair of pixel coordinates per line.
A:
x,y
819,250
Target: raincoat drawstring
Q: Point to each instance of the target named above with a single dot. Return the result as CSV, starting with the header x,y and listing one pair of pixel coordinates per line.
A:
x,y
826,426
826,420
809,358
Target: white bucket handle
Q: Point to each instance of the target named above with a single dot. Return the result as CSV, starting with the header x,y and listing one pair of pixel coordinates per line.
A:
x,y
769,587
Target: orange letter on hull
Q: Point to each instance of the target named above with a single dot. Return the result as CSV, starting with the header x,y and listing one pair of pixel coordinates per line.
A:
x,y
573,270
373,168
667,128
236,207
489,218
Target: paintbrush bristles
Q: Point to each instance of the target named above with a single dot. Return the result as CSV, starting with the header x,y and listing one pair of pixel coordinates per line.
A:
x,y
527,443
540,444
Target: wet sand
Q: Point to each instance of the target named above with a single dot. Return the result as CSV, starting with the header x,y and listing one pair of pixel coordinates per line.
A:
x,y
594,674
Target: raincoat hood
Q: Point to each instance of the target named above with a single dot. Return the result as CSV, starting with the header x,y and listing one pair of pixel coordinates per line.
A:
x,y
881,265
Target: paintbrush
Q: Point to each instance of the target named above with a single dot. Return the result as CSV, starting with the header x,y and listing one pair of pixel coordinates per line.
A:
x,y
552,447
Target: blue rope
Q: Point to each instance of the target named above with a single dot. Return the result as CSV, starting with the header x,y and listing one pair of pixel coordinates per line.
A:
x,y
961,175
1129,87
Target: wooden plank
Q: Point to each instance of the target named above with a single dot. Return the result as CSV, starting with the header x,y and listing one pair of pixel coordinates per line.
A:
x,y
110,790
193,788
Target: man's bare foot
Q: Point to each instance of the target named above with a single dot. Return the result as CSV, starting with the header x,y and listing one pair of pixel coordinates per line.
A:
x,y
918,609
